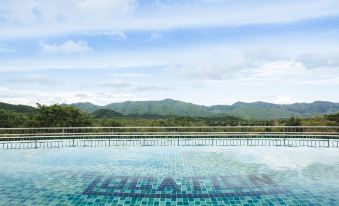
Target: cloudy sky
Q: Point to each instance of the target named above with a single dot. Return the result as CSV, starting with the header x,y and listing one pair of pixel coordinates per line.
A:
x,y
201,51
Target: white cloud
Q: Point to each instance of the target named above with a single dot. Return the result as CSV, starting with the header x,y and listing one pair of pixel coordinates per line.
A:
x,y
155,36
32,79
44,18
136,75
54,11
23,96
67,47
81,96
205,71
114,34
117,35
195,63
319,59
282,100
4,48
224,75
278,159
115,84
10,69
150,88
257,66
280,69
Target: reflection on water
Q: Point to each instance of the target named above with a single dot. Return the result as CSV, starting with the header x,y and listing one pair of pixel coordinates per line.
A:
x,y
170,175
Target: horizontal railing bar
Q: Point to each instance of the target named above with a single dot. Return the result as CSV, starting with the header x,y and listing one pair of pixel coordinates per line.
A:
x,y
17,134
177,127
170,132
215,141
173,135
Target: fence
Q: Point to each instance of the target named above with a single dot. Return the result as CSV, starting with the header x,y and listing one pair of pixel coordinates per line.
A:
x,y
22,138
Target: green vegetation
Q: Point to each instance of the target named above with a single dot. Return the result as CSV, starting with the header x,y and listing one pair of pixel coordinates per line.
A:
x,y
262,110
165,107
44,116
71,116
105,114
177,121
333,117
293,122
17,108
14,119
60,116
254,111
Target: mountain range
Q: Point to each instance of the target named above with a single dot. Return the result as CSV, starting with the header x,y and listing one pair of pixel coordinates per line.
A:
x,y
170,107
254,111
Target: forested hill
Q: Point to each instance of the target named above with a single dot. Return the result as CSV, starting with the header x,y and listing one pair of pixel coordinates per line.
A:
x,y
255,110
169,107
141,115
17,108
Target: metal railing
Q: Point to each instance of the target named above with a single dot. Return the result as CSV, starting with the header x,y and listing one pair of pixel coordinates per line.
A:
x,y
17,133
315,136
181,141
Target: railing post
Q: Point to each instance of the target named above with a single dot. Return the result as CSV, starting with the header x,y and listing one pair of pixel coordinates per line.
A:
x,y
36,144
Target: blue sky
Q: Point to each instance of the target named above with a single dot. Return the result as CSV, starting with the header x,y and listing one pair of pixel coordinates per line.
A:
x,y
202,51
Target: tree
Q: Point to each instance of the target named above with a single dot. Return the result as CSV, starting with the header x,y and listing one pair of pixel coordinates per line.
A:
x,y
14,119
333,117
7,118
109,123
61,116
293,122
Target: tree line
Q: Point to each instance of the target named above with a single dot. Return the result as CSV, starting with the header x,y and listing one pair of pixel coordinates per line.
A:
x,y
68,116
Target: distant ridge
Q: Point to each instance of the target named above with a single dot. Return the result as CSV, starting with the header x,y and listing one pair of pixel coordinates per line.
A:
x,y
170,107
254,110
17,108
105,113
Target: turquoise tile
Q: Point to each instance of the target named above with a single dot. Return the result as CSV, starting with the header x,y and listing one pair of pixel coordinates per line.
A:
x,y
201,175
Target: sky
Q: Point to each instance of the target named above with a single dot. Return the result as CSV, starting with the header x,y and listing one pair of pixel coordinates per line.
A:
x,y
206,52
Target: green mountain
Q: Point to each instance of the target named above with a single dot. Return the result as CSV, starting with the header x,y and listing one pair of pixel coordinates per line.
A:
x,y
165,107
317,107
86,106
255,110
17,108
170,107
261,110
105,114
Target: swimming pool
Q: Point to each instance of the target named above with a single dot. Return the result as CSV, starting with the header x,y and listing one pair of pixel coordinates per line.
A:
x,y
168,175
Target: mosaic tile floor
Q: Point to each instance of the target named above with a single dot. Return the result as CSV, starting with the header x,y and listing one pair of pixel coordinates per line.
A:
x,y
170,176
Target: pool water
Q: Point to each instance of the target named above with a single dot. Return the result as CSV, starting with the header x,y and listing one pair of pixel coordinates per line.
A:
x,y
201,175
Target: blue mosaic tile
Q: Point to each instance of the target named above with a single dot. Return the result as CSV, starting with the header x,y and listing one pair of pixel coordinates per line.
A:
x,y
209,175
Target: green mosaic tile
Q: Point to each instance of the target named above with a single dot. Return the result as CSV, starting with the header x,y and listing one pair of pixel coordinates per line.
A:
x,y
206,175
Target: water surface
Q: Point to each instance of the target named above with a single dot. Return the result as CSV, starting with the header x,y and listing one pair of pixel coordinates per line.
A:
x,y
205,175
